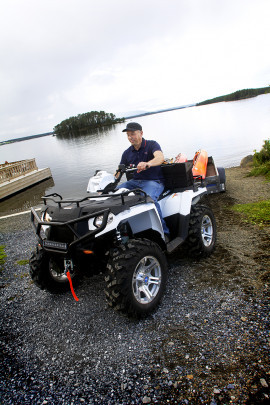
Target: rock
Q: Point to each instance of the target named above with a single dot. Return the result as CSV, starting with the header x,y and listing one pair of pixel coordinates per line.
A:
x,y
247,161
263,383
146,400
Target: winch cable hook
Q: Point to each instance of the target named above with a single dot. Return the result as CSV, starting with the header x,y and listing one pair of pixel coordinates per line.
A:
x,y
71,287
69,266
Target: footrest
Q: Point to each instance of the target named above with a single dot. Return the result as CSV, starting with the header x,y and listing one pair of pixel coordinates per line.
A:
x,y
173,244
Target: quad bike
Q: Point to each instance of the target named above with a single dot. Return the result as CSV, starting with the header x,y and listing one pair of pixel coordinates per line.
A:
x,y
120,233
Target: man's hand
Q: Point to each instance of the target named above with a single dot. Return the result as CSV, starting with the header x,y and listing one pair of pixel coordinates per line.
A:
x,y
142,166
157,161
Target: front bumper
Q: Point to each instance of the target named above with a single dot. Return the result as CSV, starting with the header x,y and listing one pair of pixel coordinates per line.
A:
x,y
66,247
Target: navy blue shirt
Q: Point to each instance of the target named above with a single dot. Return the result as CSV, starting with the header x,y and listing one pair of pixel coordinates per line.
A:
x,y
131,156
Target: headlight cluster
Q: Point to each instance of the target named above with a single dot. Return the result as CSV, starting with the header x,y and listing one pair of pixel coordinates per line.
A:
x,y
98,220
46,217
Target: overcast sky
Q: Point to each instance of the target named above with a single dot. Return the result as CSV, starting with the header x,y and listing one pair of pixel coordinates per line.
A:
x,y
60,58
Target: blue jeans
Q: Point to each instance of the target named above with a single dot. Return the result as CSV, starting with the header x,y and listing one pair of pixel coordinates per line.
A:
x,y
151,187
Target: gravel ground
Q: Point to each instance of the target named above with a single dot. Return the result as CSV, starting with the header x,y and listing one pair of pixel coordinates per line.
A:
x,y
208,342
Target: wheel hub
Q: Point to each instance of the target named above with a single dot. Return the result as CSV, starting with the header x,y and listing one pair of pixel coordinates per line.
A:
x,y
207,230
146,279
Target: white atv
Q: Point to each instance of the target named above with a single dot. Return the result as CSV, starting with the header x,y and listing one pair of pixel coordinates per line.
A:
x,y
120,232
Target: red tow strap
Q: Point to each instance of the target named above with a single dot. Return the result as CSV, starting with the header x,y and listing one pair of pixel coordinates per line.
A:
x,y
71,287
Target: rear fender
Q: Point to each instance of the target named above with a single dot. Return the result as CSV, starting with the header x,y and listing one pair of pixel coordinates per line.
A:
x,y
180,203
176,211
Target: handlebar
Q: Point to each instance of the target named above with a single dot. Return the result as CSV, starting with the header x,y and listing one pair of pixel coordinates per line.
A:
x,y
122,169
127,169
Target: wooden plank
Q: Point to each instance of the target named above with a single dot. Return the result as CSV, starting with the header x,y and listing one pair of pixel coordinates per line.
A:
x,y
20,183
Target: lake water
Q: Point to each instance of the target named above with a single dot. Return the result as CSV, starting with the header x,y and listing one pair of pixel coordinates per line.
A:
x,y
228,131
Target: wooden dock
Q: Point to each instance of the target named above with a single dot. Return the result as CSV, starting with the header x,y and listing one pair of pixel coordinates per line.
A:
x,y
17,176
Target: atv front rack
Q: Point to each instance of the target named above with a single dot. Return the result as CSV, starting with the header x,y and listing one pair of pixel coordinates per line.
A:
x,y
64,247
80,201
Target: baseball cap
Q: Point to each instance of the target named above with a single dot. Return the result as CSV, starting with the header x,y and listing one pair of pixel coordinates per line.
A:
x,y
133,126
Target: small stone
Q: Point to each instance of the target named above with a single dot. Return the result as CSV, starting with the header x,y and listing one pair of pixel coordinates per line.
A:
x,y
263,383
170,344
190,377
230,386
216,391
243,318
146,400
165,370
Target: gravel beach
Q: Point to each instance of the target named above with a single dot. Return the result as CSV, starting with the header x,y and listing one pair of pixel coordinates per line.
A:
x,y
207,343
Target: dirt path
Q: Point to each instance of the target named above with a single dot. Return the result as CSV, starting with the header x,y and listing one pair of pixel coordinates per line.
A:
x,y
242,246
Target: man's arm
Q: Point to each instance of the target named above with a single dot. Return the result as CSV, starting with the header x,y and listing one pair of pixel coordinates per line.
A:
x,y
156,161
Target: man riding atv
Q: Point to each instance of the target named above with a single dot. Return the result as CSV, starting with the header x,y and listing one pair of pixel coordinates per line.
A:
x,y
147,156
119,232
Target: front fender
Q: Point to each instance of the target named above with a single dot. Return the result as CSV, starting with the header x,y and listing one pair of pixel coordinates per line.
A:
x,y
141,218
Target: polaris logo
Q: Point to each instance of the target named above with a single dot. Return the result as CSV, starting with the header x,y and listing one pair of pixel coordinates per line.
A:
x,y
55,245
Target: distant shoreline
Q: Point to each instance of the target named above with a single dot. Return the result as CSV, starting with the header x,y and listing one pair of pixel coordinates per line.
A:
x,y
25,138
236,96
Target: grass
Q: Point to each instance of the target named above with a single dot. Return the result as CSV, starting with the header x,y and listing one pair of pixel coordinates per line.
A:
x,y
2,256
22,262
255,213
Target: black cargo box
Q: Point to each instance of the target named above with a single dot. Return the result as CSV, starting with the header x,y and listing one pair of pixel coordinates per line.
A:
x,y
178,175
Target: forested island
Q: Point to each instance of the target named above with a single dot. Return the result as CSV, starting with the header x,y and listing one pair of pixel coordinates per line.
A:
x,y
86,121
237,95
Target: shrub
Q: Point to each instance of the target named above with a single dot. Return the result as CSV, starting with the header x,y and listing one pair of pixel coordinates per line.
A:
x,y
263,156
261,162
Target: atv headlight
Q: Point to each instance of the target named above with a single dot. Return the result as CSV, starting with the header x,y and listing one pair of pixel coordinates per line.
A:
x,y
47,217
98,220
